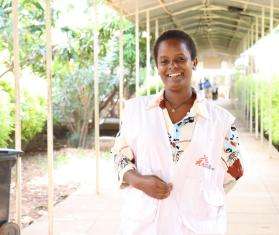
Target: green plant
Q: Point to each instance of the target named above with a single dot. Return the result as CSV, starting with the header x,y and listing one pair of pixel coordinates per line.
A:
x,y
242,82
33,112
6,121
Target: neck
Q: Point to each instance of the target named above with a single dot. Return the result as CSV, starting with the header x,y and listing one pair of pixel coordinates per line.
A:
x,y
177,97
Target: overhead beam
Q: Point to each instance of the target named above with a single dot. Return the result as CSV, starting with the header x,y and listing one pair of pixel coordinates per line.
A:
x,y
162,4
200,8
206,5
192,33
256,4
198,25
213,37
152,8
238,26
203,18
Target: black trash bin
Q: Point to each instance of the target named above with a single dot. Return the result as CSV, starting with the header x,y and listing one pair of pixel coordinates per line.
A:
x,y
8,159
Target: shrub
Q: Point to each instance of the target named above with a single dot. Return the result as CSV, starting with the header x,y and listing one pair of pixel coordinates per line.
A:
x,y
263,85
33,111
6,121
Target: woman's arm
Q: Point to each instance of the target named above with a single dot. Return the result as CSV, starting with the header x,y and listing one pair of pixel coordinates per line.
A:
x,y
232,159
124,160
125,165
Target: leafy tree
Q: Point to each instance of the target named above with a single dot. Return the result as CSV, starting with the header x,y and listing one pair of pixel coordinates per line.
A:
x,y
73,61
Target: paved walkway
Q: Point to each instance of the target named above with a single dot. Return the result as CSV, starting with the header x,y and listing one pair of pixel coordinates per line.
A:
x,y
253,205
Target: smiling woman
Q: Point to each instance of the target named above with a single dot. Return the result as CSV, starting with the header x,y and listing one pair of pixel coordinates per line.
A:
x,y
176,153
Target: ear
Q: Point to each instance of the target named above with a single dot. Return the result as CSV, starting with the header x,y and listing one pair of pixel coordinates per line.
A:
x,y
195,63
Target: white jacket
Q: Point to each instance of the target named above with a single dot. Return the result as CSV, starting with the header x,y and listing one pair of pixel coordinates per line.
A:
x,y
196,204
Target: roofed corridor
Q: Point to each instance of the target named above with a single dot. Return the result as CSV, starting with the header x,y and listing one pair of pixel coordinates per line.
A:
x,y
237,45
253,205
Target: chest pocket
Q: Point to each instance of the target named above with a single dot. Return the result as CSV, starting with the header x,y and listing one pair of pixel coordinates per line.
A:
x,y
200,201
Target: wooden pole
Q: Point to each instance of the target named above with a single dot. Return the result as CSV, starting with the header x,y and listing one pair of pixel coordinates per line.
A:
x,y
49,117
250,88
137,48
261,92
121,70
156,36
256,88
246,85
148,52
96,96
243,100
156,29
263,22
16,71
270,89
257,29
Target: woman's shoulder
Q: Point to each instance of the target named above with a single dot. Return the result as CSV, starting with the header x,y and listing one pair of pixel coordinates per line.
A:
x,y
139,101
218,112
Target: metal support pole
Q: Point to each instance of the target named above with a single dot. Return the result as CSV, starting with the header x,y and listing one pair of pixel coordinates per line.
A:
x,y
96,96
246,86
49,116
137,49
256,88
261,91
251,107
256,107
257,29
263,21
252,36
156,36
247,101
156,29
271,16
250,88
121,71
270,89
148,52
16,71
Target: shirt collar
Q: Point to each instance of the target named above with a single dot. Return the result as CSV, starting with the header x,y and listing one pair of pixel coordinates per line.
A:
x,y
198,107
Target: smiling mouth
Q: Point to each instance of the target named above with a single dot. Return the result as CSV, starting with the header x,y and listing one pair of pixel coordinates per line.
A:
x,y
175,75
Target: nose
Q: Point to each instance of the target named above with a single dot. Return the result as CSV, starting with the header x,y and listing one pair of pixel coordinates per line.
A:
x,y
173,65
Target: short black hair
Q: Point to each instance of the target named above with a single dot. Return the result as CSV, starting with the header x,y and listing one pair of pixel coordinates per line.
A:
x,y
178,35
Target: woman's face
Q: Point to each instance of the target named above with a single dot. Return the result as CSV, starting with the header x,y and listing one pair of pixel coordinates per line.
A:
x,y
175,65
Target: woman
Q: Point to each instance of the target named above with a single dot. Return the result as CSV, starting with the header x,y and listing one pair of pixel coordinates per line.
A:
x,y
176,153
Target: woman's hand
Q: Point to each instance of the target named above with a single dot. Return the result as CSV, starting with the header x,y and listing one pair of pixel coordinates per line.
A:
x,y
155,187
151,185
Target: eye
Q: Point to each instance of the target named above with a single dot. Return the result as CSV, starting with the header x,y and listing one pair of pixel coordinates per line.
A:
x,y
181,59
164,61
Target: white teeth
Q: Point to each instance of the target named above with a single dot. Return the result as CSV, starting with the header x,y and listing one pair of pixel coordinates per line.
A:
x,y
174,74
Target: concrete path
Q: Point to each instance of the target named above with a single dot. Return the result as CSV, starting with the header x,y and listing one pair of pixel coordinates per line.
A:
x,y
253,205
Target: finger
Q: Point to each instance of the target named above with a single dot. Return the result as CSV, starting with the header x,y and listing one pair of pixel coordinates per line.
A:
x,y
163,196
163,189
163,186
170,186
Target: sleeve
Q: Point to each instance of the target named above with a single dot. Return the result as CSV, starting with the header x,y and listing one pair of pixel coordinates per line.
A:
x,y
231,159
123,156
